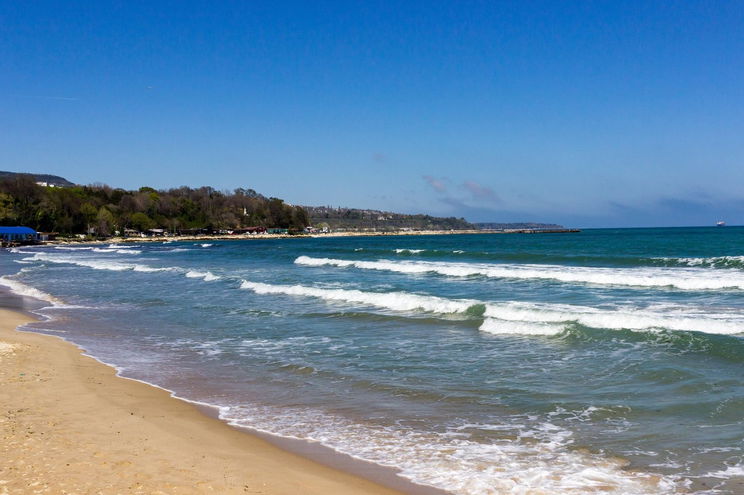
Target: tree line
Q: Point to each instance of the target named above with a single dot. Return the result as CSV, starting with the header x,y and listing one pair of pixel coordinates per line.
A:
x,y
102,210
356,219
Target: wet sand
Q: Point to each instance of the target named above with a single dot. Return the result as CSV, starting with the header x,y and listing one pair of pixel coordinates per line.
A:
x,y
69,425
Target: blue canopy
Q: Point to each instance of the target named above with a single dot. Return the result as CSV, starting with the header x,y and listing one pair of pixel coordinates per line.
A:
x,y
17,230
18,234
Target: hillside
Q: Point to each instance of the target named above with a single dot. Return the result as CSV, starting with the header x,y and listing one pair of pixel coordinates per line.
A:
x,y
377,220
50,180
103,211
28,199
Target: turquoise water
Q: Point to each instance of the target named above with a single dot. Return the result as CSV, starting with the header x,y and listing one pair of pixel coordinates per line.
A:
x,y
570,363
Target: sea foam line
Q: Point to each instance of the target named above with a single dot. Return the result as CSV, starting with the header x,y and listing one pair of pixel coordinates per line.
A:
x,y
711,262
26,290
97,264
206,276
118,266
539,461
396,301
520,317
681,278
550,319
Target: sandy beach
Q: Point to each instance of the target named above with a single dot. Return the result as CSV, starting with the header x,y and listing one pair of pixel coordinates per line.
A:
x,y
70,425
240,237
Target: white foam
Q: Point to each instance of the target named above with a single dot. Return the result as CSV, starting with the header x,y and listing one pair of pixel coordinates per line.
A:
x,y
76,248
396,301
527,318
714,261
550,319
409,251
117,251
534,458
206,245
729,472
505,327
681,278
207,276
26,290
97,264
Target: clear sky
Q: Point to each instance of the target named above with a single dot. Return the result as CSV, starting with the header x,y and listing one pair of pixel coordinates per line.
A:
x,y
596,113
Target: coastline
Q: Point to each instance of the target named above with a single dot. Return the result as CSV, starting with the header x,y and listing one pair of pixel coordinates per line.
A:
x,y
70,424
240,237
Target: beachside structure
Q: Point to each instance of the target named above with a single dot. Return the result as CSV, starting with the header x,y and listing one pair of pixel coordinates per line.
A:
x,y
18,235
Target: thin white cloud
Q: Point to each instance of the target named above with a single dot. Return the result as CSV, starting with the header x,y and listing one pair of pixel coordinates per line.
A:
x,y
436,184
480,192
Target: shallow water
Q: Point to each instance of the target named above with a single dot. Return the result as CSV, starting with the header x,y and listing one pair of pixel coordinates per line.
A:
x,y
607,360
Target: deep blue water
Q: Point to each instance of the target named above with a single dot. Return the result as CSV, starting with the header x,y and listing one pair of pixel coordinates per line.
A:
x,y
606,360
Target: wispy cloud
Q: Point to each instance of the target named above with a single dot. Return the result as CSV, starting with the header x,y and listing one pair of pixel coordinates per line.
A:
x,y
479,192
467,198
379,157
436,184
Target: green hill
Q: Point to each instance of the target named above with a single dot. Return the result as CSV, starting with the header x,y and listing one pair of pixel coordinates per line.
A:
x,y
49,180
376,220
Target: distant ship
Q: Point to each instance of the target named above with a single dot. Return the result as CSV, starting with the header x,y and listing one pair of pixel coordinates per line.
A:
x,y
720,223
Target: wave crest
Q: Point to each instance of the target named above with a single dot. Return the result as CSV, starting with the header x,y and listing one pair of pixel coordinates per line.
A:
x,y
397,301
680,278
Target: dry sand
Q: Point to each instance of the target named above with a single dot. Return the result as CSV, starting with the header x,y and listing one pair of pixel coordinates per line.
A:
x,y
69,425
238,237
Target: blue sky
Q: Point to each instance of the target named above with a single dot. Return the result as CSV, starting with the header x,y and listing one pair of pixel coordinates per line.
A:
x,y
582,113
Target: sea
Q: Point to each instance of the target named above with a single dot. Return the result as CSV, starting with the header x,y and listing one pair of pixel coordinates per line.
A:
x,y
605,361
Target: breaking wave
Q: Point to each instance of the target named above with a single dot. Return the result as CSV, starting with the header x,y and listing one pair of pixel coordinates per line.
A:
x,y
97,264
26,290
206,276
681,278
396,301
117,251
551,319
711,262
524,318
118,266
74,248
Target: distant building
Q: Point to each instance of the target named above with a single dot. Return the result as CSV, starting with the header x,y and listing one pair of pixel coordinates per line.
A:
x,y
18,235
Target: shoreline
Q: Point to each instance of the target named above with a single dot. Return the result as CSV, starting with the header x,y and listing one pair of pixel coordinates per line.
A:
x,y
241,237
70,423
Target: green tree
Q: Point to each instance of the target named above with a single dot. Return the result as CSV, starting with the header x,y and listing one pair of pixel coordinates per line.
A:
x,y
105,222
7,214
142,222
88,212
